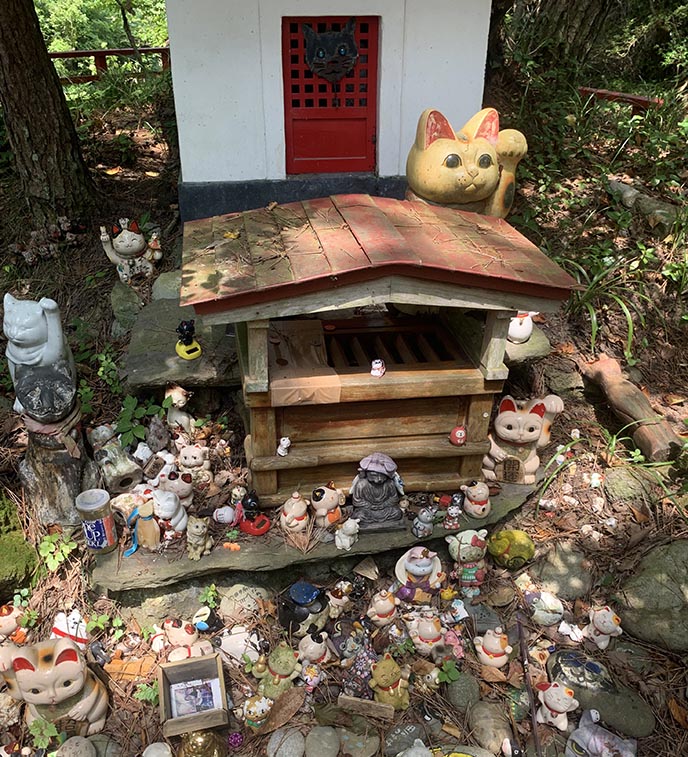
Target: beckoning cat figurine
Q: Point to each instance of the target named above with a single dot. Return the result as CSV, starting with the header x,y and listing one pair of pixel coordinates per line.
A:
x,y
473,169
604,623
54,680
129,251
389,684
556,700
198,542
277,674
517,434
34,336
493,648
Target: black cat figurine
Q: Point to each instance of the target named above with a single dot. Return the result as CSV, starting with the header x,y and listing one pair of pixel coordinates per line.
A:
x,y
331,55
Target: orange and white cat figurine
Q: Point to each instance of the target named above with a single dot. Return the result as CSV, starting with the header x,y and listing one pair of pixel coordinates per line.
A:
x,y
473,169
54,680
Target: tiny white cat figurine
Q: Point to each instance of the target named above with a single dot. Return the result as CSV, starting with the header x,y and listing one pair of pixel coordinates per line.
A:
x,y
175,415
170,513
129,251
517,434
346,534
34,336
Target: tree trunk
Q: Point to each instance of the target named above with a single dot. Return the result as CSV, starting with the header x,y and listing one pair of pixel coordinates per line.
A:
x,y
47,154
560,30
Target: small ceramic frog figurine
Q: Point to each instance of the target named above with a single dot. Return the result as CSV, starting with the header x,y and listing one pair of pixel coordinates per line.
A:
x,y
473,169
313,647
34,336
419,571
129,251
255,710
195,460
556,700
327,502
346,534
425,630
476,503
511,548
492,648
517,434
467,549
591,740
281,668
424,523
383,608
604,624
294,514
388,684
54,680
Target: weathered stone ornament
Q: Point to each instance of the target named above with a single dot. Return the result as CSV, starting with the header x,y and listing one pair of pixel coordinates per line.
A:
x,y
119,470
56,467
376,492
517,434
474,169
604,623
556,701
54,680
129,251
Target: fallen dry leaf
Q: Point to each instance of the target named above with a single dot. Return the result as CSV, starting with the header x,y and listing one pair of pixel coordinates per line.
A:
x,y
492,675
679,712
639,515
284,709
153,174
674,399
113,171
565,348
231,235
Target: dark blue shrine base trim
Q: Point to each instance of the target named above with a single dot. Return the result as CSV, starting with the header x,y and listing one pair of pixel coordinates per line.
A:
x,y
206,199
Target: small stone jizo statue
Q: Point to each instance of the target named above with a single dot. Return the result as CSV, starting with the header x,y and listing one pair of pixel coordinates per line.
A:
x,y
376,491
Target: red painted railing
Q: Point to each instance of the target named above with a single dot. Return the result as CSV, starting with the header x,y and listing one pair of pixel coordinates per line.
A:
x,y
100,58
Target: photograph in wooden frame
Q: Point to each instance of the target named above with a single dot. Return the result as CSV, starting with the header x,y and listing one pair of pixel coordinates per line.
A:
x,y
192,695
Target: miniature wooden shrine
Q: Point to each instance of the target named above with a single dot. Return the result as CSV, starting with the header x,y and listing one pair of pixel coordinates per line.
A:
x,y
319,289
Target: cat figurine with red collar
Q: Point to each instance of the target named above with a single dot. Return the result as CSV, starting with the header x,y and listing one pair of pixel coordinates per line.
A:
x,y
556,701
604,623
493,648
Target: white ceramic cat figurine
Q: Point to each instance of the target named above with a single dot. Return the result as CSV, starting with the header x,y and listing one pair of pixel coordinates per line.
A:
x,y
170,513
517,434
34,336
53,679
129,251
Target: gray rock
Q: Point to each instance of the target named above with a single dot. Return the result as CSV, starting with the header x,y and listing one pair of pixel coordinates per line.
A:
x,y
653,605
564,572
401,737
628,484
484,617
489,725
536,347
286,742
562,377
167,285
322,741
638,658
620,708
463,693
152,361
359,744
126,305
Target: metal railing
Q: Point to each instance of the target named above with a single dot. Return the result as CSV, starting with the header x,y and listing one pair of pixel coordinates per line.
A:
x,y
100,58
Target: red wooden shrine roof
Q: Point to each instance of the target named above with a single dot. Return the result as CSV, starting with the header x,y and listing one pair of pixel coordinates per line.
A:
x,y
272,253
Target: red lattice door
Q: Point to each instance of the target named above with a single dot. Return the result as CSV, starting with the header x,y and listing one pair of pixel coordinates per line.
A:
x,y
330,127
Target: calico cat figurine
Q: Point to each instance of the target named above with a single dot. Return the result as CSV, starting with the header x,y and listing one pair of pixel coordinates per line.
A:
x,y
34,337
473,169
54,680
331,55
129,251
517,434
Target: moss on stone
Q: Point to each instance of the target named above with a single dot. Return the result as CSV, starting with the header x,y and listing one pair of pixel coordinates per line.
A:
x,y
18,560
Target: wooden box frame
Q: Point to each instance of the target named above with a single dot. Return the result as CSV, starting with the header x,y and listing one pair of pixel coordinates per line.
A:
x,y
169,673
